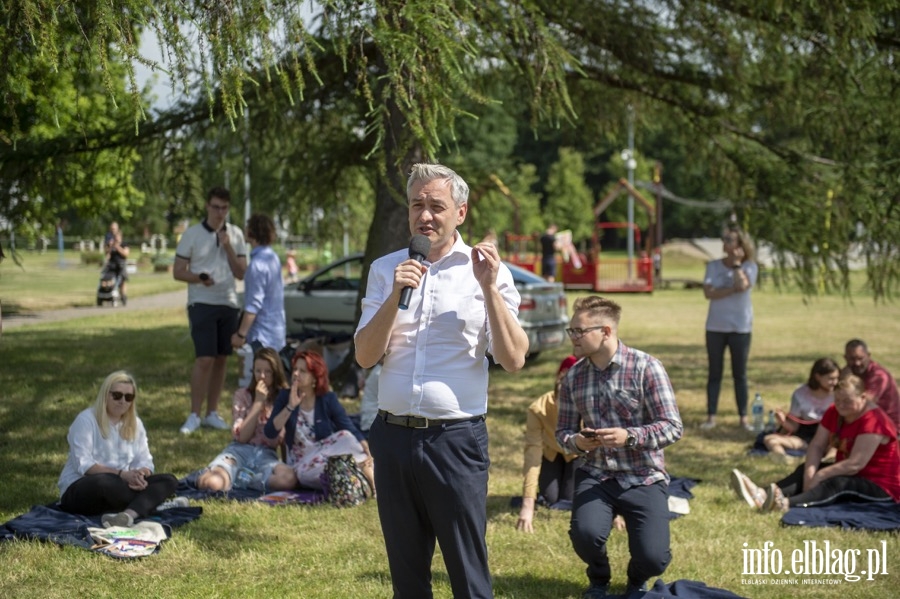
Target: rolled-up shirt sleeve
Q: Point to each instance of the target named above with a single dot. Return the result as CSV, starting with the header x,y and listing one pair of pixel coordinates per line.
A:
x,y
664,425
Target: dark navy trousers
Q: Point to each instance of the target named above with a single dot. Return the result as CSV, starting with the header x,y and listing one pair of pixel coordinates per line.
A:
x,y
645,509
432,485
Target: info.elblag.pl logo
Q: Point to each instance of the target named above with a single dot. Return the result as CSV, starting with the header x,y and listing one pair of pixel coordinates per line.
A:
x,y
813,563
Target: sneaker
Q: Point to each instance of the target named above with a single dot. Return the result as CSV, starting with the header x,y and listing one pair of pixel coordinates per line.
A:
x,y
707,425
174,502
213,420
596,591
191,424
122,519
748,427
775,500
747,490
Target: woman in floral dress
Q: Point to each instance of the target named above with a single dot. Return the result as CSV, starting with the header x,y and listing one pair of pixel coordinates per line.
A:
x,y
315,424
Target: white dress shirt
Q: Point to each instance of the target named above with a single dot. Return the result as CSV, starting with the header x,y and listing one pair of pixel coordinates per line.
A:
x,y
435,364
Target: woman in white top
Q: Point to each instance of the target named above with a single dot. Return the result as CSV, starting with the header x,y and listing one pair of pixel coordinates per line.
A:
x,y
808,404
727,286
110,468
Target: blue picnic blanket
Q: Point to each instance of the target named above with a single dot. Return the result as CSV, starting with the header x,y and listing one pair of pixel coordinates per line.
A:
x,y
876,516
683,589
49,523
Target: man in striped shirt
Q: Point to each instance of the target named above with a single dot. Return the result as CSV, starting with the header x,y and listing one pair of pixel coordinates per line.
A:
x,y
627,406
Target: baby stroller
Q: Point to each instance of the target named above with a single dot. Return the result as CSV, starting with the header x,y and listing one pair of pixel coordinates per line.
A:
x,y
108,288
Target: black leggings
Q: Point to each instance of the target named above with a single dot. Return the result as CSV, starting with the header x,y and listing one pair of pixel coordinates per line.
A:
x,y
557,479
829,490
101,493
738,345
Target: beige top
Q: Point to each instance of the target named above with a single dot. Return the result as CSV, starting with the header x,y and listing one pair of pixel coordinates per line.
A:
x,y
540,441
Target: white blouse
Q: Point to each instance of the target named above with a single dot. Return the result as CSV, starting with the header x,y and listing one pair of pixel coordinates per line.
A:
x,y
88,447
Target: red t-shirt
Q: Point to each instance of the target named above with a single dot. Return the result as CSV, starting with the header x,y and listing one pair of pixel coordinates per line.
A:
x,y
883,468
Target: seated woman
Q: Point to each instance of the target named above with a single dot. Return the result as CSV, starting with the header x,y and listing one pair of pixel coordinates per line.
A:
x,y
314,423
110,468
808,403
867,466
250,460
548,469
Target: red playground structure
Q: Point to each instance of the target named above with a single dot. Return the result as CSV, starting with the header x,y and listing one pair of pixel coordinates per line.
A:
x,y
589,269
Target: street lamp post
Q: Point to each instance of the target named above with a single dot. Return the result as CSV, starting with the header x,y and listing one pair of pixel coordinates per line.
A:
x,y
631,164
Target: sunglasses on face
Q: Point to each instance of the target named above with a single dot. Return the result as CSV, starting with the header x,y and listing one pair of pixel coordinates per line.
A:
x,y
119,396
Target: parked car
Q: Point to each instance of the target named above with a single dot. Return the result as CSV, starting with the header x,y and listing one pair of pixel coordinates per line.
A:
x,y
325,302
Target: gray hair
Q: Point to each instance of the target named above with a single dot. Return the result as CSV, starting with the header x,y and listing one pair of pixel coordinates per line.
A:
x,y
424,172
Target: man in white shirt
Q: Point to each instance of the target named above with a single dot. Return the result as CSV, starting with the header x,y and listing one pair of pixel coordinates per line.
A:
x,y
430,434
209,257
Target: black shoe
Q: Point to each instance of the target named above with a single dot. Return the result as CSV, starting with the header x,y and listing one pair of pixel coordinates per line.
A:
x,y
596,591
633,588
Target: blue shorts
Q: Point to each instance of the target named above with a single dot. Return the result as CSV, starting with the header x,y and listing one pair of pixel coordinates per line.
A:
x,y
260,460
211,329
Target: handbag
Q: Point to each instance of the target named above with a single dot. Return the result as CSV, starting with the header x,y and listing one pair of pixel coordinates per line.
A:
x,y
343,481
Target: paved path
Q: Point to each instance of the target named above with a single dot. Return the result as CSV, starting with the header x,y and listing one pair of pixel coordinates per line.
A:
x,y
161,300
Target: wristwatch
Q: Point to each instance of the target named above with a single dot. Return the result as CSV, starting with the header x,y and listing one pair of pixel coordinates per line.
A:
x,y
630,440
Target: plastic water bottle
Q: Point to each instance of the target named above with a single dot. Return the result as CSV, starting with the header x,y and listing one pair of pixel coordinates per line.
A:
x,y
757,410
770,425
245,354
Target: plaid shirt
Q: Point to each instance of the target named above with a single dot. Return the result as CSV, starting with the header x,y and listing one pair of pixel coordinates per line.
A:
x,y
633,393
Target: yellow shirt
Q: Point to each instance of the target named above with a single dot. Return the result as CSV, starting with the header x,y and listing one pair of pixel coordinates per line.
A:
x,y
540,441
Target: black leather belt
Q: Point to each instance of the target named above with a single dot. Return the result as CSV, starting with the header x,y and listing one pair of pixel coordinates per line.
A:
x,y
421,421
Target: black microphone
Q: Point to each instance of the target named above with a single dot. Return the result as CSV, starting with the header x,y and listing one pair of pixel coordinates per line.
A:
x,y
419,246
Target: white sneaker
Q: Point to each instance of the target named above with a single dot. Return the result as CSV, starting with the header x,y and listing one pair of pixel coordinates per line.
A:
x,y
122,519
213,420
174,502
190,425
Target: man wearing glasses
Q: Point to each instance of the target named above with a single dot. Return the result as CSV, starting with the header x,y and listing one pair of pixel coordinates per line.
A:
x,y
209,257
628,407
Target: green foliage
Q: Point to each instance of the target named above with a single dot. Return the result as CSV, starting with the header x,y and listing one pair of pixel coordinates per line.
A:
x,y
569,199
93,258
66,85
770,105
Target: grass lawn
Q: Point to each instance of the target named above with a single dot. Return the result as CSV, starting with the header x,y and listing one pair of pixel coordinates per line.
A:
x,y
49,372
43,282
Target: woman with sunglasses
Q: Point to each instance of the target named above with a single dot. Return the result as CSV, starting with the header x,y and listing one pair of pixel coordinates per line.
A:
x,y
867,467
110,469
727,284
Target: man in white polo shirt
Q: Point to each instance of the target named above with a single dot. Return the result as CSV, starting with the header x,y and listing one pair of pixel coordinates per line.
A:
x,y
209,257
429,439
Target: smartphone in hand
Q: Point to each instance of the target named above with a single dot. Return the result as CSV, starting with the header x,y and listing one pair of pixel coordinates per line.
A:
x,y
588,434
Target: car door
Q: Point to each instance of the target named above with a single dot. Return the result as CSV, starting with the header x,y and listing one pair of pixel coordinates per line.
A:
x,y
326,300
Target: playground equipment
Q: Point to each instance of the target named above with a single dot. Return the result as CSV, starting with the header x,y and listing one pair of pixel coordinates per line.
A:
x,y
587,268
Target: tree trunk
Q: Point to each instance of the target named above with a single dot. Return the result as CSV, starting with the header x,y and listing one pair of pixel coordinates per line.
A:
x,y
389,230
